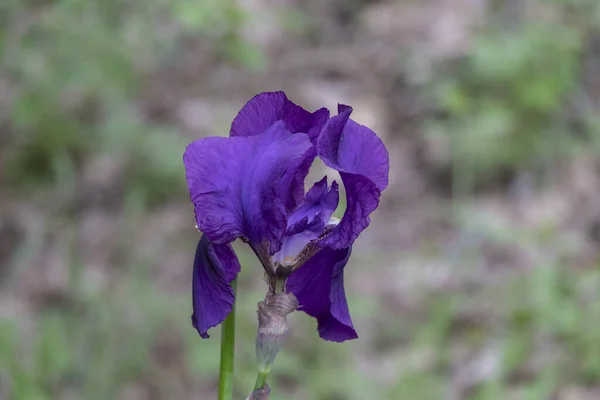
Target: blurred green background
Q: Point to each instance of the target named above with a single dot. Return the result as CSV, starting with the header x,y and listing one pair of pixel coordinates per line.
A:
x,y
478,278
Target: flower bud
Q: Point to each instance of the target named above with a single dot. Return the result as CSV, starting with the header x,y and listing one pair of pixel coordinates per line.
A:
x,y
272,327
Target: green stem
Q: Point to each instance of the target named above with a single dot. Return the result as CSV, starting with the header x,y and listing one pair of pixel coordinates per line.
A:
x,y
227,353
261,380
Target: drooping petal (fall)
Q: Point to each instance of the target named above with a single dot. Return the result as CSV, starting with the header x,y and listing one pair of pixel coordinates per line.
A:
x,y
363,163
319,287
215,267
239,185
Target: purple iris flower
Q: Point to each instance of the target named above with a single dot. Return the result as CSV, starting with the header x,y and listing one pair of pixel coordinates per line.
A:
x,y
250,185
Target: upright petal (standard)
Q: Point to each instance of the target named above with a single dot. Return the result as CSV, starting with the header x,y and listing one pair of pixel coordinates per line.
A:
x,y
262,111
363,163
238,185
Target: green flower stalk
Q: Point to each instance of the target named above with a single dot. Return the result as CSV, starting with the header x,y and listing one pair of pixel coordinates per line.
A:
x,y
227,353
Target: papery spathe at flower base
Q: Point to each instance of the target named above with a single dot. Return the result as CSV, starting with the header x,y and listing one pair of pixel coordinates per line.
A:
x,y
250,186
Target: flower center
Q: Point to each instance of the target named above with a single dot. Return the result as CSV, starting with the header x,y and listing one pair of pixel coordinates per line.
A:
x,y
288,260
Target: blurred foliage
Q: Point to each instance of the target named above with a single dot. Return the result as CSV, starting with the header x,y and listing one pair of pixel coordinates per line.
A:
x,y
75,67
220,21
507,107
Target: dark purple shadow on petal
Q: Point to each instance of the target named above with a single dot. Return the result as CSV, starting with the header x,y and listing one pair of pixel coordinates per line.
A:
x,y
319,287
363,162
299,120
239,185
215,266
297,185
262,111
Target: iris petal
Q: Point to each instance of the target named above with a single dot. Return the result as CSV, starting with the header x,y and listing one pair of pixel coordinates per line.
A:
x,y
319,204
307,222
319,287
215,266
262,111
363,162
239,185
